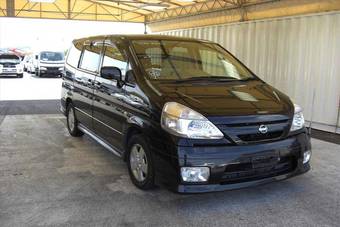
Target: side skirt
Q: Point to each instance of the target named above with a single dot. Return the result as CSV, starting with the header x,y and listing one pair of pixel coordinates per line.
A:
x,y
99,140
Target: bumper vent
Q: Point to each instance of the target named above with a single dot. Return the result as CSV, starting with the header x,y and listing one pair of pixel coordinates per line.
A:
x,y
237,173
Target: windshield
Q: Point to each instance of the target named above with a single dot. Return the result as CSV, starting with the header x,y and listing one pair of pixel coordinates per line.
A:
x,y
183,60
9,58
51,56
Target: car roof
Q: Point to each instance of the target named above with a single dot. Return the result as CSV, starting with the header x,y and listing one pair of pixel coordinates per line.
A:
x,y
142,37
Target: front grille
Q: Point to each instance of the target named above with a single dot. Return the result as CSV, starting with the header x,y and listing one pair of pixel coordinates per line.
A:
x,y
250,171
9,66
244,130
260,136
53,68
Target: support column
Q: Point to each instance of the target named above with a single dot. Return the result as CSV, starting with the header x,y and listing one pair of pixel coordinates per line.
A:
x,y
10,6
69,9
145,31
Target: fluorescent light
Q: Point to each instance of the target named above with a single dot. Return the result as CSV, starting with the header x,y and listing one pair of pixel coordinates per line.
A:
x,y
43,1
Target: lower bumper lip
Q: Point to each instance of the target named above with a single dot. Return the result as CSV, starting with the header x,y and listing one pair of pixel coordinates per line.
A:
x,y
225,187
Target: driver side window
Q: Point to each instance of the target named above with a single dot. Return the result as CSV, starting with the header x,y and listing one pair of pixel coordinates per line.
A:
x,y
113,57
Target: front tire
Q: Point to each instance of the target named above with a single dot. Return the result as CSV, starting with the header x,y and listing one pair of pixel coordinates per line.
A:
x,y
72,122
140,163
20,75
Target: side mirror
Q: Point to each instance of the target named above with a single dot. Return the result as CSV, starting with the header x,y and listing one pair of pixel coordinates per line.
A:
x,y
110,73
36,57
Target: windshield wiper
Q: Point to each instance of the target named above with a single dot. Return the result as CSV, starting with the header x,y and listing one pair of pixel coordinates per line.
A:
x,y
207,78
247,79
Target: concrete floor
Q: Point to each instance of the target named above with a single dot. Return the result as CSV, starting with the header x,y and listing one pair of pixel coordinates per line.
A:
x,y
49,178
30,87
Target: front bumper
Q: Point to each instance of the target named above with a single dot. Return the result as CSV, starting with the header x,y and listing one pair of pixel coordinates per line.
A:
x,y
51,71
234,167
10,72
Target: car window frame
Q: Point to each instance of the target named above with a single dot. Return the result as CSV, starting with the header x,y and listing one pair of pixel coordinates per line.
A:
x,y
110,42
73,45
88,43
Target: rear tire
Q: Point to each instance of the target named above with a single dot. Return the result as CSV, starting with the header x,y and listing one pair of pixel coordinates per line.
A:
x,y
140,163
72,122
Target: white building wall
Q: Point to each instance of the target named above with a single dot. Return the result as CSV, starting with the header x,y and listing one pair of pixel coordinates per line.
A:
x,y
298,55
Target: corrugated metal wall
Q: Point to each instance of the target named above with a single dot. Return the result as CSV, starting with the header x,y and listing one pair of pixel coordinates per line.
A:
x,y
298,55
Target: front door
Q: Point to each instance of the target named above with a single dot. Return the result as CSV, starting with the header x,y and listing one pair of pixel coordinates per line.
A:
x,y
84,82
108,112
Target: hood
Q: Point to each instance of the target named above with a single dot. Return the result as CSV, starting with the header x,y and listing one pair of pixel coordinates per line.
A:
x,y
225,98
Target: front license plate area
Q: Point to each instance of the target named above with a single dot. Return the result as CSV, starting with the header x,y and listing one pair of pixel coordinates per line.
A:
x,y
264,161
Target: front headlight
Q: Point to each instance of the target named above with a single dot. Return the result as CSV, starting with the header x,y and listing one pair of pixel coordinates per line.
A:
x,y
182,121
298,120
43,68
61,69
19,68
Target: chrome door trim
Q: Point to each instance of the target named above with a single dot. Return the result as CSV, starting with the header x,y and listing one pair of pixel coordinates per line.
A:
x,y
98,121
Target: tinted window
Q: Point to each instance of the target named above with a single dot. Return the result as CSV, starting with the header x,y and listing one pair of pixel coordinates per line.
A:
x,y
114,57
74,55
91,57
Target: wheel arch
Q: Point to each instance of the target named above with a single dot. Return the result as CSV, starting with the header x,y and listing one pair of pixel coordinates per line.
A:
x,y
67,102
132,130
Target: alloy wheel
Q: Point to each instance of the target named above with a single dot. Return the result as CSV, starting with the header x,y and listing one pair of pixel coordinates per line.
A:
x,y
138,163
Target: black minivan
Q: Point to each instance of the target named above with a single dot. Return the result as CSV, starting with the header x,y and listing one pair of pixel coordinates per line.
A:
x,y
182,112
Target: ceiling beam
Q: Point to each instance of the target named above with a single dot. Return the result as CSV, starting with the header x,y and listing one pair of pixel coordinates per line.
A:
x,y
201,7
113,7
127,3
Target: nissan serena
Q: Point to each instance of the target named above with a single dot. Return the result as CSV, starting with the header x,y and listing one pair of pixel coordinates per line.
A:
x,y
183,113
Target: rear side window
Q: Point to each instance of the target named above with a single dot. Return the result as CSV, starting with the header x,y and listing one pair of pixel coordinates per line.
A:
x,y
91,57
74,55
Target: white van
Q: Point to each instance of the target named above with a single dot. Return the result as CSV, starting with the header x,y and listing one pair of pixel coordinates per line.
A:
x,y
48,63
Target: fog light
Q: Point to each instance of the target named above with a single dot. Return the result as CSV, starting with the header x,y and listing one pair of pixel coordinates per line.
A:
x,y
306,156
195,174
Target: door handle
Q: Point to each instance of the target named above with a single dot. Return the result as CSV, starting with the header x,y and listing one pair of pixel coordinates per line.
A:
x,y
97,84
118,96
89,82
